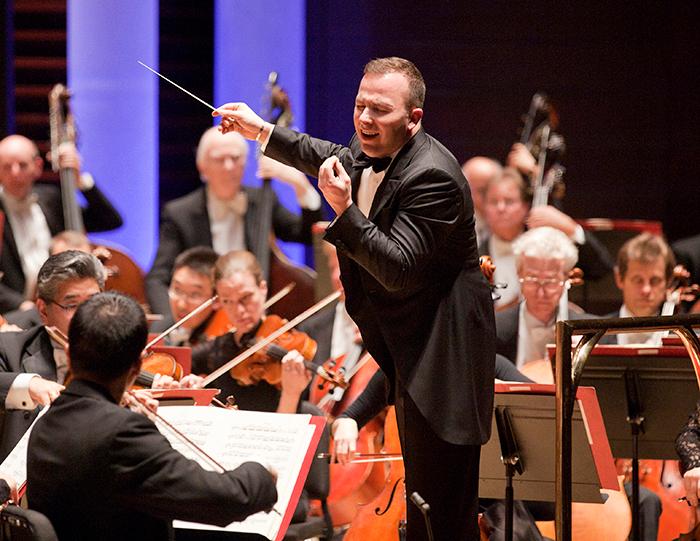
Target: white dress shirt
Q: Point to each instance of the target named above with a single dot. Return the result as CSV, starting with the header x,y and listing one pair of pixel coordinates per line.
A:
x,y
501,252
32,236
533,337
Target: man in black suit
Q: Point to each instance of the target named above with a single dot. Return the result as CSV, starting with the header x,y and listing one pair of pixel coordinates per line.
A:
x,y
32,213
409,266
223,214
133,483
32,366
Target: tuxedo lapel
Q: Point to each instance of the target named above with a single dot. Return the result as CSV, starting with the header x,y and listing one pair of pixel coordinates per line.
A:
x,y
39,357
9,237
199,221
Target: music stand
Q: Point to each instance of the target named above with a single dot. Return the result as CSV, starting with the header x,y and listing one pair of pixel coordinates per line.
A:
x,y
530,434
646,395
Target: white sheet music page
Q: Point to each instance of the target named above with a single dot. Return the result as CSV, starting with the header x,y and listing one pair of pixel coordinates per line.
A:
x,y
15,465
232,437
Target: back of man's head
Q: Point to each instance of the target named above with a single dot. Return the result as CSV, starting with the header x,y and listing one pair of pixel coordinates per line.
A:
x,y
106,335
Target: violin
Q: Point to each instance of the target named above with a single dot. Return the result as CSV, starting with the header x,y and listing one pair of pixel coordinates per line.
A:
x,y
261,343
266,364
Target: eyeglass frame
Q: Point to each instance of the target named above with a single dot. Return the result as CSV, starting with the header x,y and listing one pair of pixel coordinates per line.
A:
x,y
542,283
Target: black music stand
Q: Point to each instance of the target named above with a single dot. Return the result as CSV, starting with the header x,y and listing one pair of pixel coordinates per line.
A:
x,y
524,422
645,401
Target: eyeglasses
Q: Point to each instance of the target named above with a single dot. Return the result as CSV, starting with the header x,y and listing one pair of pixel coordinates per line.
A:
x,y
548,285
66,307
193,298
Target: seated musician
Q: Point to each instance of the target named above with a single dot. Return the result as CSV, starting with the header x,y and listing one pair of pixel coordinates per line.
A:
x,y
643,274
544,257
508,213
191,285
479,171
60,242
32,365
34,212
242,293
101,471
223,214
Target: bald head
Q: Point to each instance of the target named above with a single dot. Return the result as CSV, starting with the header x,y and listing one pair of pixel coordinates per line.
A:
x,y
479,172
20,165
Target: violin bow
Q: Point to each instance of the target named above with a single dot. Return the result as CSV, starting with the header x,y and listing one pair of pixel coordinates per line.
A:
x,y
206,304
270,338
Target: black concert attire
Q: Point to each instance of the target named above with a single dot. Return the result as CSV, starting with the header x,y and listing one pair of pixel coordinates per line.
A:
x,y
413,286
100,471
185,223
98,215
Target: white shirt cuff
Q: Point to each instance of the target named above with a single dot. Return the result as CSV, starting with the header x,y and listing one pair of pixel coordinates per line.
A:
x,y
310,199
87,182
18,396
579,237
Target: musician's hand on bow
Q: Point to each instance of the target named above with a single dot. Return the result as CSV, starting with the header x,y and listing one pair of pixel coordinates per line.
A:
x,y
345,433
690,482
191,381
295,378
43,391
334,183
161,381
138,401
241,118
549,216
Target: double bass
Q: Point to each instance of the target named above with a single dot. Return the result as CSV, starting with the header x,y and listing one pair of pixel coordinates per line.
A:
x,y
276,268
123,274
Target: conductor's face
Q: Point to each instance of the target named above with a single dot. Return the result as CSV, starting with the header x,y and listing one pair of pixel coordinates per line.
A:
x,y
383,121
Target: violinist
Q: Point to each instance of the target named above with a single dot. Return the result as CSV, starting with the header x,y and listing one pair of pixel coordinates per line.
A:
x,y
242,293
32,365
33,213
223,214
192,284
643,274
100,471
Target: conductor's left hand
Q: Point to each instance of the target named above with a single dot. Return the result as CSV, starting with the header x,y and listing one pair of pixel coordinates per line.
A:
x,y
242,119
334,183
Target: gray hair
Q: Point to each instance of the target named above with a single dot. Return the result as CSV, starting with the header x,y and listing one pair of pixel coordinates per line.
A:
x,y
212,132
546,243
68,265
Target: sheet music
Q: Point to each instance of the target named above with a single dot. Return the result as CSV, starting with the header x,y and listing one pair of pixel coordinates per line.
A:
x,y
234,437
15,465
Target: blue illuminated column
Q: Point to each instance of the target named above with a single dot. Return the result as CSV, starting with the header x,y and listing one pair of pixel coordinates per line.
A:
x,y
251,39
115,102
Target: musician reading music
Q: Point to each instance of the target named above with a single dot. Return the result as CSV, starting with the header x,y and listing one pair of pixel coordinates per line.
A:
x,y
101,471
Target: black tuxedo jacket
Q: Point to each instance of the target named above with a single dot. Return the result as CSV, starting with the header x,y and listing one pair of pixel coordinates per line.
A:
x,y
412,279
99,471
98,215
184,223
21,352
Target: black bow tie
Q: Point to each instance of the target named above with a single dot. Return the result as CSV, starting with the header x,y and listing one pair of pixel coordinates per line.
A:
x,y
378,164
